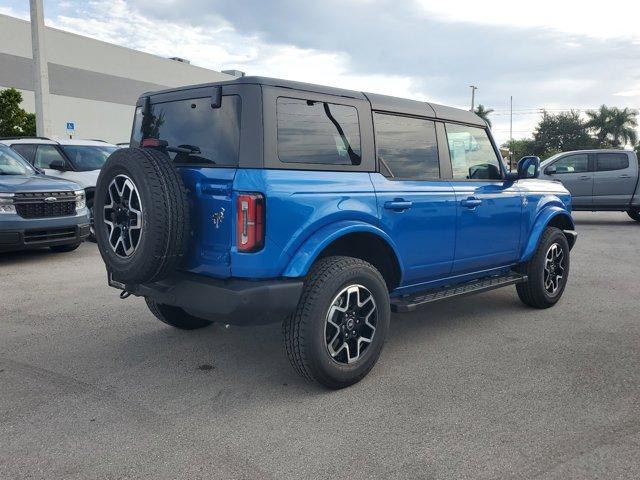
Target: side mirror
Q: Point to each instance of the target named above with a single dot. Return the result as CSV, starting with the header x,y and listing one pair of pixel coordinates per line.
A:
x,y
529,167
57,165
550,170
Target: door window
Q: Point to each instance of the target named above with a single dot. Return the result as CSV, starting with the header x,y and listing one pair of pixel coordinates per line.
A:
x,y
28,151
472,154
406,147
317,132
578,163
46,154
611,161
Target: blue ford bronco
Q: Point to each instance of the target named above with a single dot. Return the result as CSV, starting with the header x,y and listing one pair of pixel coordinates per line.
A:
x,y
260,200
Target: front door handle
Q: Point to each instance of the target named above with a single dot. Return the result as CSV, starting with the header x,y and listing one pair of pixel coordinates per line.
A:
x,y
471,202
624,175
398,204
585,177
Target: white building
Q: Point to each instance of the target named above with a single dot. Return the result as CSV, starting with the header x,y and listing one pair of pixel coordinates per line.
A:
x,y
92,83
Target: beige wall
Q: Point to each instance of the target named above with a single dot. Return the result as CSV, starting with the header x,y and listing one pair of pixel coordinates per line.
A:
x,y
112,69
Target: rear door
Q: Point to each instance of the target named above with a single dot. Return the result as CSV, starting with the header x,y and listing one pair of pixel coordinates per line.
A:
x,y
489,211
207,140
415,206
614,179
575,173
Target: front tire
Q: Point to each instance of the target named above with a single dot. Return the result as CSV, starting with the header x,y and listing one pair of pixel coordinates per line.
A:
x,y
634,214
175,316
547,271
338,330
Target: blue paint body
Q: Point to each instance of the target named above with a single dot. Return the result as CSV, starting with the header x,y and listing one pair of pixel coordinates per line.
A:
x,y
441,232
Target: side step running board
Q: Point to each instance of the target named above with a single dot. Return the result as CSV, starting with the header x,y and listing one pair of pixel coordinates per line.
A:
x,y
412,302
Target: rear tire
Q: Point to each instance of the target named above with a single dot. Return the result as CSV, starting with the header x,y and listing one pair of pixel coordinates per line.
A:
x,y
175,316
634,214
341,294
547,271
64,248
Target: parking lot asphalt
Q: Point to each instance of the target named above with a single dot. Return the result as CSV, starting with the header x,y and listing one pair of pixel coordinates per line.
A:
x,y
92,386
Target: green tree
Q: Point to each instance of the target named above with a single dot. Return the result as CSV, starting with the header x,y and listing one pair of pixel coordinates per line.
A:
x,y
613,127
560,133
14,121
484,113
521,148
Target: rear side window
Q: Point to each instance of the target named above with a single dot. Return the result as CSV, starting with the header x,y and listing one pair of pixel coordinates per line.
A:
x,y
316,132
28,151
578,163
406,147
611,161
472,154
204,135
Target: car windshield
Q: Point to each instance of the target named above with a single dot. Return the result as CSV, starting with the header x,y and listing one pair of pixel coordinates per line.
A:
x,y
88,157
12,164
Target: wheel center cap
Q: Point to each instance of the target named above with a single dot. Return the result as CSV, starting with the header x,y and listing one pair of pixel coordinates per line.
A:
x,y
350,323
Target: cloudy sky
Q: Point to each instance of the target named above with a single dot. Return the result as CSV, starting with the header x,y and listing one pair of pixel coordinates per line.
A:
x,y
556,54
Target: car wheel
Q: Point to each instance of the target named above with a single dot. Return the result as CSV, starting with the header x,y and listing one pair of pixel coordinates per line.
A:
x,y
141,215
635,214
92,229
175,316
547,271
338,330
64,248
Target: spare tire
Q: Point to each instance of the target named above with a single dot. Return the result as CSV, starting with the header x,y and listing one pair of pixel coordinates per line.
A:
x,y
141,215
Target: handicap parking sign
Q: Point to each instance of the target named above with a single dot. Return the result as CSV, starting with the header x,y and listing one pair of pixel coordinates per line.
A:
x,y
71,127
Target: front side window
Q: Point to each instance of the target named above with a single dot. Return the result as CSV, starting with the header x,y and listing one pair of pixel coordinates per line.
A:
x,y
12,164
611,161
316,132
472,154
192,131
406,147
578,163
88,157
46,155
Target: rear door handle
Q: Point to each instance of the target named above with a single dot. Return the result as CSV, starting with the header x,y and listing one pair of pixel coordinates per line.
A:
x,y
399,205
585,177
471,202
624,175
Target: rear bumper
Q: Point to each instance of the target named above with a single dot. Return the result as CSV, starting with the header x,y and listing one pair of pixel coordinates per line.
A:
x,y
12,240
234,301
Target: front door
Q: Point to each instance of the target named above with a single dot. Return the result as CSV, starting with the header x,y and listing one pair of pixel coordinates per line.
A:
x,y
414,205
576,176
488,210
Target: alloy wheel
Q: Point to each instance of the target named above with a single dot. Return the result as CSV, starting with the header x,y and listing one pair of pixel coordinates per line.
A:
x,y
123,216
554,269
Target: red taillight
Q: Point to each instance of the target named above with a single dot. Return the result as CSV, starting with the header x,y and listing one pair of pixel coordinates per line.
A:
x,y
150,142
250,222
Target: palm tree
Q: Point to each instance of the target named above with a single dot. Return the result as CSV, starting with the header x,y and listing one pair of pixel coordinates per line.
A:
x,y
483,113
613,126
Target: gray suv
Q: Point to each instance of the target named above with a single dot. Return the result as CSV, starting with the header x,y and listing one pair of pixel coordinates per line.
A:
x,y
37,210
598,179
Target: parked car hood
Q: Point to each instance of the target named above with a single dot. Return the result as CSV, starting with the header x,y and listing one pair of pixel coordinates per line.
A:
x,y
34,183
87,179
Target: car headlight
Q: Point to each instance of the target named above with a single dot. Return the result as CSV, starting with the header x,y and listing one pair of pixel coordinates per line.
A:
x,y
6,203
81,199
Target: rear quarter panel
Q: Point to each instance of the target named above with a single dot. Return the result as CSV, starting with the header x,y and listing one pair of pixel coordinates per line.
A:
x,y
299,203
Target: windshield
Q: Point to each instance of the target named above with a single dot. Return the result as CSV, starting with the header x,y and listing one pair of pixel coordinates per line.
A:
x,y
12,164
88,157
191,131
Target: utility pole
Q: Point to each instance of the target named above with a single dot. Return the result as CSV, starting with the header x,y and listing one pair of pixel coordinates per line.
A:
x,y
473,97
40,69
510,131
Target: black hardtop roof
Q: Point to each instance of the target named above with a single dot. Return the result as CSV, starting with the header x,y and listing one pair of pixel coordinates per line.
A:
x,y
378,102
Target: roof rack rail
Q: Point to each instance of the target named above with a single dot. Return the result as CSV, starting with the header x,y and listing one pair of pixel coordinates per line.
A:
x,y
97,140
25,137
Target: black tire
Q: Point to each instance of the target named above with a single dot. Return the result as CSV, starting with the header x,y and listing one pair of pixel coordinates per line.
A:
x,y
634,214
162,240
533,292
175,316
92,230
305,334
64,248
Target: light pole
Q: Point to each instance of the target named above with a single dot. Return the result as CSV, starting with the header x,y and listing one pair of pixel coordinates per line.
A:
x,y
40,69
473,97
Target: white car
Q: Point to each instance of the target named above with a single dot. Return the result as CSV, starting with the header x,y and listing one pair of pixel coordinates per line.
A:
x,y
79,161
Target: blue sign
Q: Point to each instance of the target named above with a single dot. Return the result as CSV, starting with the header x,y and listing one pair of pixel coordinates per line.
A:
x,y
71,126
